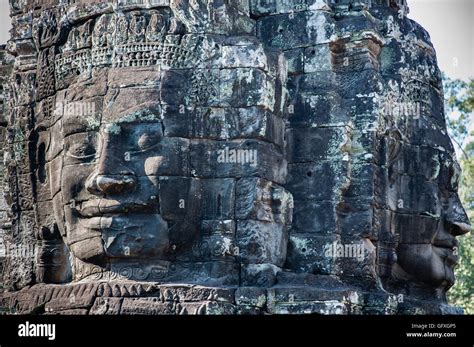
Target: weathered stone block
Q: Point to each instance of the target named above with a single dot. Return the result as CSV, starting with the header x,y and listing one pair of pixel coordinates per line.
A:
x,y
106,306
260,275
318,217
179,197
246,87
318,58
306,183
295,60
243,55
315,144
118,102
251,296
239,158
240,123
277,31
211,273
218,198
261,242
175,87
414,194
134,77
263,200
306,253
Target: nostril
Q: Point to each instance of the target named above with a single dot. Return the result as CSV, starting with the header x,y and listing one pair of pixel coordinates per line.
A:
x,y
115,184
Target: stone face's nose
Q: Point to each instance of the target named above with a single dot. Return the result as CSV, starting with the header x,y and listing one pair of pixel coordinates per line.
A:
x,y
114,184
456,217
461,228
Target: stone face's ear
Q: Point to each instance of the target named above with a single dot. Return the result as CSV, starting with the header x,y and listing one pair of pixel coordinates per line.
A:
x,y
52,257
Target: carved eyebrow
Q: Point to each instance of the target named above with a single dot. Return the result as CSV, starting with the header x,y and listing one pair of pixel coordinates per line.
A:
x,y
72,125
115,127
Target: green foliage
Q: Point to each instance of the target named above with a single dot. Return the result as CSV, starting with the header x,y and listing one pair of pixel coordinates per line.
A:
x,y
459,97
459,103
462,293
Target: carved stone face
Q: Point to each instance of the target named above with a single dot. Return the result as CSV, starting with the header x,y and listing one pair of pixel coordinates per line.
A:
x,y
166,155
423,176
429,215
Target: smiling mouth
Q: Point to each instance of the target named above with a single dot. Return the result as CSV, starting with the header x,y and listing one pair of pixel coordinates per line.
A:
x,y
117,223
112,215
448,250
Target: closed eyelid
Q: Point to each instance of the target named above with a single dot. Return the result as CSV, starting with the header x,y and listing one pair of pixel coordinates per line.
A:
x,y
72,149
86,142
131,147
82,157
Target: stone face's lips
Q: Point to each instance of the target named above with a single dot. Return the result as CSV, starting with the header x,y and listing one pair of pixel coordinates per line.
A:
x,y
448,255
98,208
446,249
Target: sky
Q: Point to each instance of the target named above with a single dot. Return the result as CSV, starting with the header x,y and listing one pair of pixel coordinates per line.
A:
x,y
449,22
451,27
4,21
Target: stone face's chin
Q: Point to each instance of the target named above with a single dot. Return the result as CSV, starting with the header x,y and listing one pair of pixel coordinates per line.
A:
x,y
135,236
128,236
428,263
446,260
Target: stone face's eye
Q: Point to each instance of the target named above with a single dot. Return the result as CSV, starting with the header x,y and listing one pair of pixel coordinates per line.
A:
x,y
148,140
148,136
81,150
